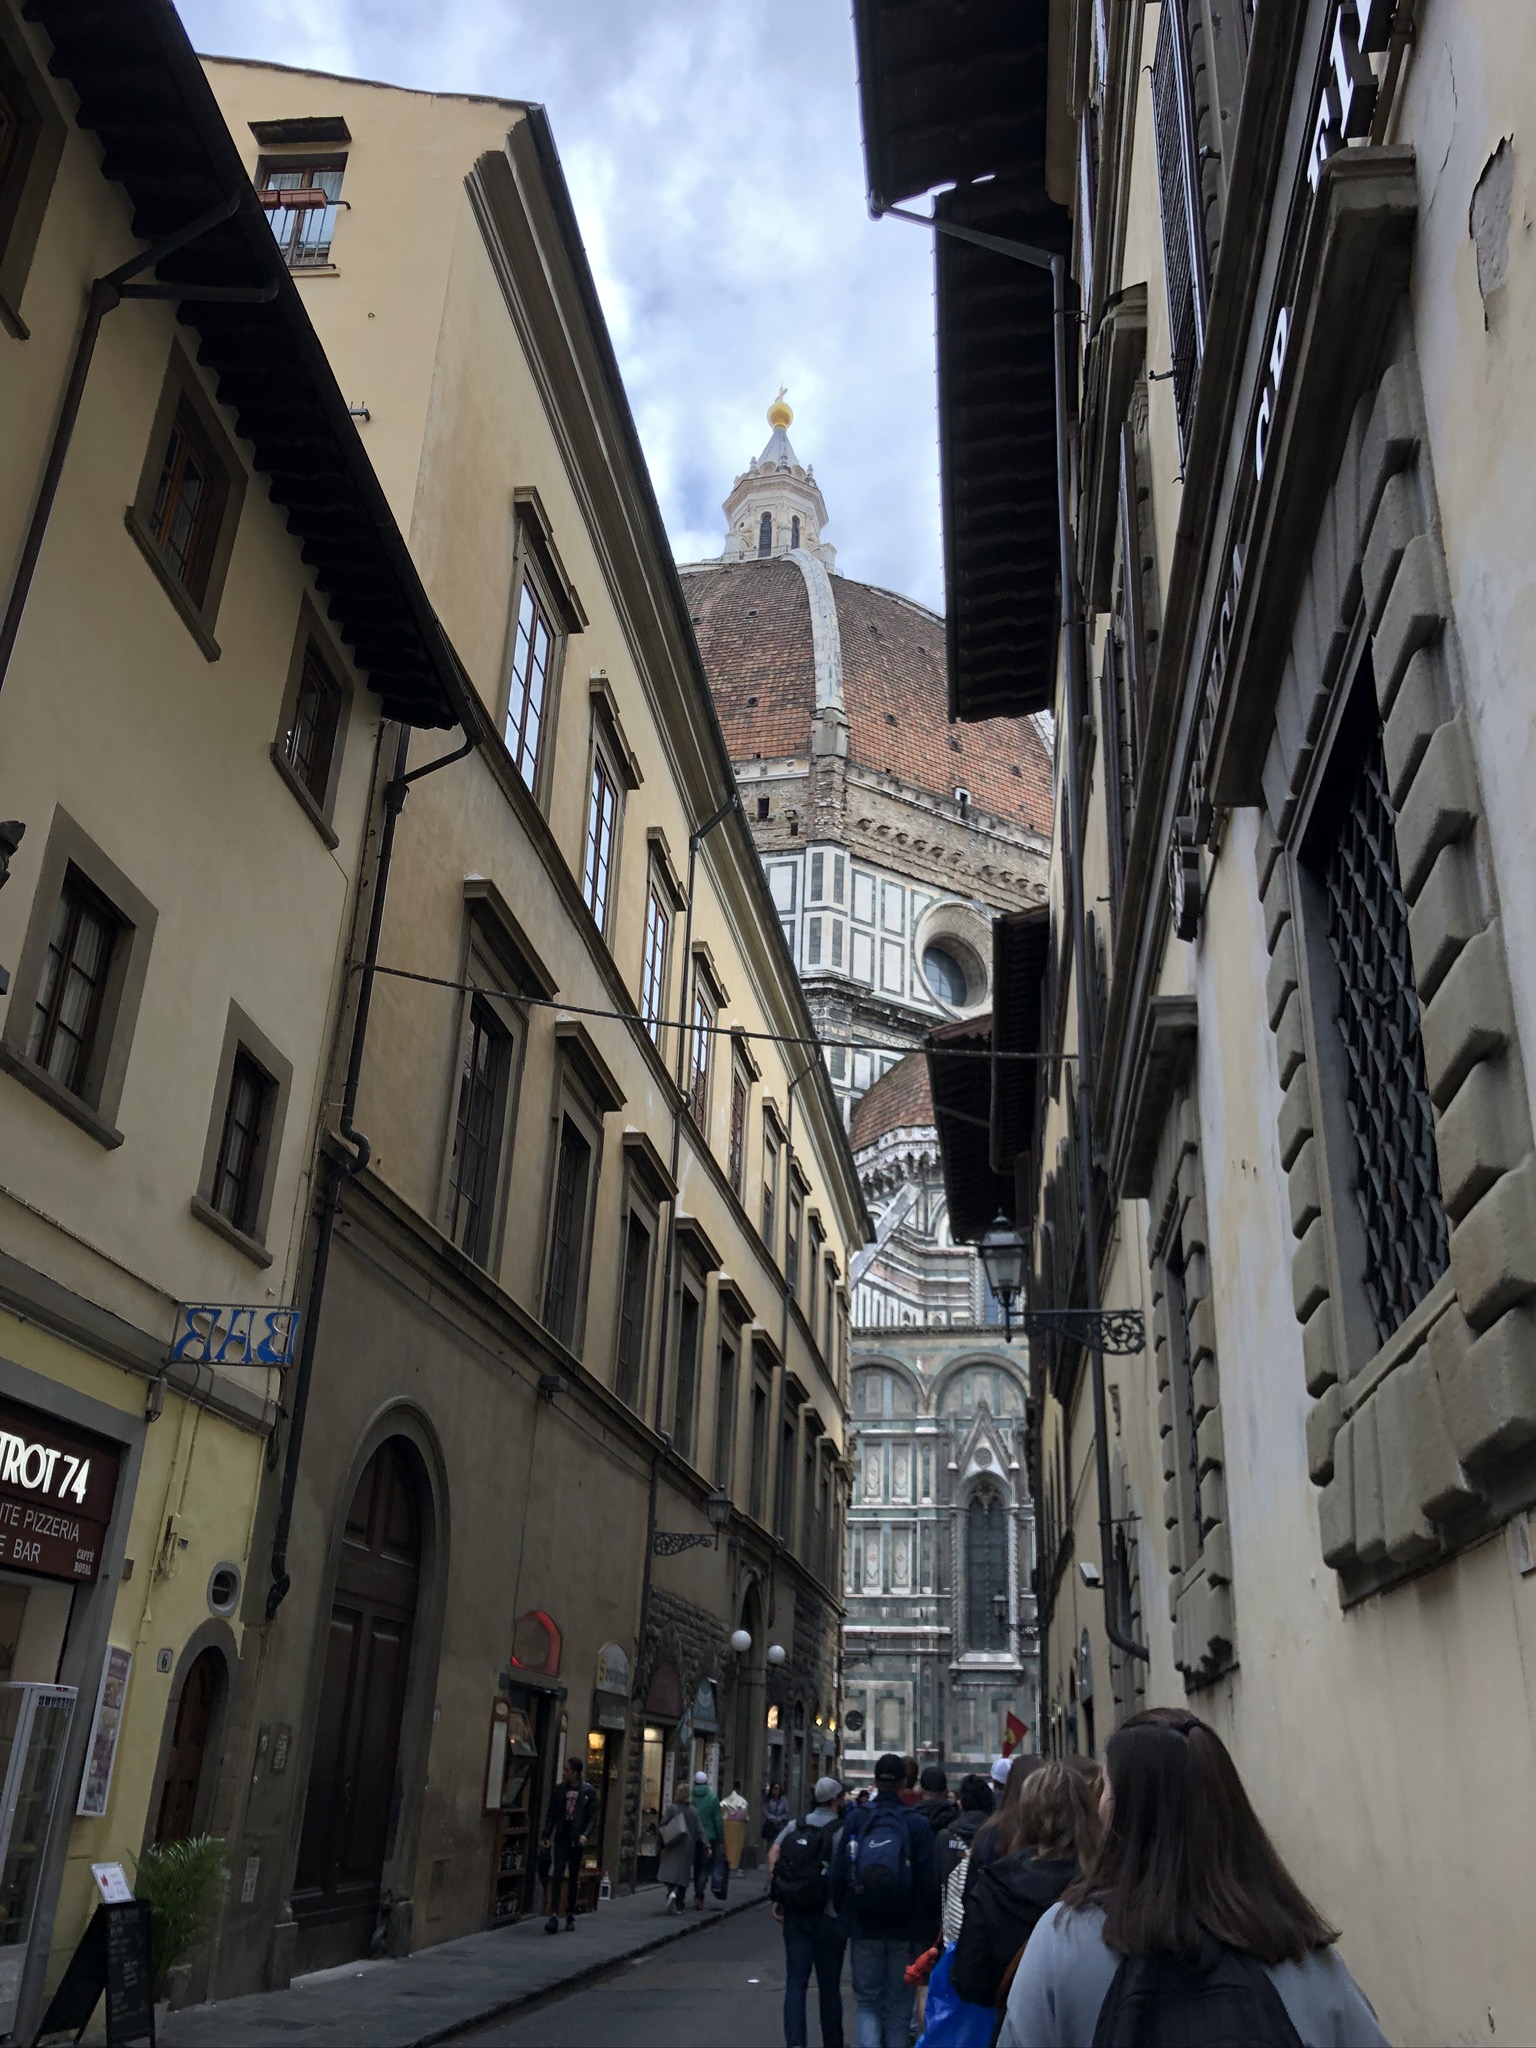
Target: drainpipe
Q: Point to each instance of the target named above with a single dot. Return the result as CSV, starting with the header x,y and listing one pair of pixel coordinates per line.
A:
x,y
339,1172
107,293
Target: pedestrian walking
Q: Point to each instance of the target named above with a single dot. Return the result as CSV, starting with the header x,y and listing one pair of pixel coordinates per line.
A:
x,y
709,1852
935,1805
567,1824
799,1883
910,1795
883,1878
952,1846
1009,1788
1188,1927
680,1832
1045,1840
775,1813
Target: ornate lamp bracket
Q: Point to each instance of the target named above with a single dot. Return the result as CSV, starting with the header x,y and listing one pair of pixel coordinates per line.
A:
x,y
1117,1332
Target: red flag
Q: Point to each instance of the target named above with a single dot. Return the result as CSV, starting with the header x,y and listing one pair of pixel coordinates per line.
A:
x,y
1014,1732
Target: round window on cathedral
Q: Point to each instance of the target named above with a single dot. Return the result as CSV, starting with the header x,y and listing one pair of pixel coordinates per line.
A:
x,y
953,972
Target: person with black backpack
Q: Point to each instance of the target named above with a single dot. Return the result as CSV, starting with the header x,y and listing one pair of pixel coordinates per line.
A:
x,y
885,1877
799,1883
1188,1931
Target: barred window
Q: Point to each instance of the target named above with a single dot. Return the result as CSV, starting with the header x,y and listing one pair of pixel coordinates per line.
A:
x,y
1394,1170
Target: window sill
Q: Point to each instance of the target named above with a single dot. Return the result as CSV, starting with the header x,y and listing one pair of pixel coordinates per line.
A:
x,y
42,1083
306,802
298,271
191,618
12,322
253,1248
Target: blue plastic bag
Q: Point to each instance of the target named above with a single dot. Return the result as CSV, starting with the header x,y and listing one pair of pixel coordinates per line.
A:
x,y
952,2021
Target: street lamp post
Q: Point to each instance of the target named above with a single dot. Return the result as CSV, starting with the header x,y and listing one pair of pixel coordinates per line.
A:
x,y
1116,1332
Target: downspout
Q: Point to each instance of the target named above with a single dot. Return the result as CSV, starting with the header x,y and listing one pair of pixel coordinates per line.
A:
x,y
339,1171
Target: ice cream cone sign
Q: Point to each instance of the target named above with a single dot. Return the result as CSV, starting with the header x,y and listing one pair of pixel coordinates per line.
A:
x,y
1014,1732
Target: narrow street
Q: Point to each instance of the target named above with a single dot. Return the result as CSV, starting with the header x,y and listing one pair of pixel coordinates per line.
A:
x,y
727,1985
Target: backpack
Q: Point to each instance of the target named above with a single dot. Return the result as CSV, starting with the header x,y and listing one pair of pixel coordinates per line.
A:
x,y
1225,2000
880,1865
800,1871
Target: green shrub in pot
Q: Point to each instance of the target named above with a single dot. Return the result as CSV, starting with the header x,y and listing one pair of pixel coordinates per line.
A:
x,y
184,1884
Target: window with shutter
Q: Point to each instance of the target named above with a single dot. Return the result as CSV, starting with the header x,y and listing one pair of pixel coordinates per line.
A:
x,y
1179,199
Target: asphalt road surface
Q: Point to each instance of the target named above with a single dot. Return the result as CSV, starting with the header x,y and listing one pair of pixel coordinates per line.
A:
x,y
721,1988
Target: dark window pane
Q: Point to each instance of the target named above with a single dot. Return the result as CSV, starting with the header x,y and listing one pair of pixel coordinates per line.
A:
x,y
310,739
759,1451
236,1182
67,1014
698,1081
477,1132
566,1225
738,1145
986,1572
184,514
687,1391
725,1420
632,1305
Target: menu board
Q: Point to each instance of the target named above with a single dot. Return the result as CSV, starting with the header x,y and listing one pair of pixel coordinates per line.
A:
x,y
114,1956
57,1486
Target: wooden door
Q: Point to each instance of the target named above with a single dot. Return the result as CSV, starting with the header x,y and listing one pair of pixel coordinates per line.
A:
x,y
350,1806
201,1692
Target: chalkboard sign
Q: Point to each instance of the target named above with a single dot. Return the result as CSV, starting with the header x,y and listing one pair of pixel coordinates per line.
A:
x,y
114,1956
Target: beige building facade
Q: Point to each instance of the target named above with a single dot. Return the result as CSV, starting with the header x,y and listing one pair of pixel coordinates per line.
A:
x,y
571,1479
1300,424
188,729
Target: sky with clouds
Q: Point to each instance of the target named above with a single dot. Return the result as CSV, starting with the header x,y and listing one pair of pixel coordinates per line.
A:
x,y
713,153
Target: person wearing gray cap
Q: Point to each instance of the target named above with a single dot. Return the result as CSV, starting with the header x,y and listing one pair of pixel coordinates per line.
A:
x,y
798,1881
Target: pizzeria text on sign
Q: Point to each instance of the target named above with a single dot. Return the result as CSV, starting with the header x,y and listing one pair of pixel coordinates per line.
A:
x,y
56,1494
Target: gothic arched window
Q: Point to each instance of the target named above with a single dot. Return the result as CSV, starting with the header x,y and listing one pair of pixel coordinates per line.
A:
x,y
765,534
986,1571
794,531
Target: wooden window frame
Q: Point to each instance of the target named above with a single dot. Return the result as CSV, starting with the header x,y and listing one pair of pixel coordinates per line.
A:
x,y
600,847
701,1031
692,1288
471,1217
637,1213
727,1410
311,641
570,1209
184,400
578,1104
95,1107
243,1037
26,182
741,1107
493,970
79,902
655,947
314,199
537,568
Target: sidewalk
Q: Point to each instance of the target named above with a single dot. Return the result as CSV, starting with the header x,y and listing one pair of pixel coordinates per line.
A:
x,y
442,1991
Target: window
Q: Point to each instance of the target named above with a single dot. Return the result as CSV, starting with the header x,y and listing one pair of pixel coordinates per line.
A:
x,y
829,1312
784,1518
808,1501
1393,1168
309,735
686,1392
653,980
1179,195
698,1067
759,1498
301,204
725,1417
67,1014
237,1170
634,1298
741,1089
765,534
528,684
792,1244
770,1182
1186,1430
573,1165
986,1571
813,1263
184,513
479,1120
794,530
602,813
12,121
32,133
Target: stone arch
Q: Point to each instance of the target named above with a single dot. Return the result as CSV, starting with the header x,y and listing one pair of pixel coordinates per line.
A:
x,y
212,1637
989,1360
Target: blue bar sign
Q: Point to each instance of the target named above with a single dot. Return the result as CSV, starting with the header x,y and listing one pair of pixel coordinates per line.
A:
x,y
228,1333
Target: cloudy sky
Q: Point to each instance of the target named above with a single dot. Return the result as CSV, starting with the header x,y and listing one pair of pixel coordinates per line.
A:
x,y
713,152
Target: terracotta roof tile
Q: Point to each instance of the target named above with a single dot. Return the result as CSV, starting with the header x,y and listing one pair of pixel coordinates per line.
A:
x,y
753,622
898,1100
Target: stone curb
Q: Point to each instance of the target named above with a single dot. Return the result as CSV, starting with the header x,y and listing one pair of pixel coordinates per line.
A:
x,y
588,1972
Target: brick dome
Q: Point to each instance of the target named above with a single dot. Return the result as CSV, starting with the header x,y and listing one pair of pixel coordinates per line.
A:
x,y
755,630
900,1100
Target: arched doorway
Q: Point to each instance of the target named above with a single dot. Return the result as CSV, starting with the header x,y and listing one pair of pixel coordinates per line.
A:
x,y
202,1695
350,1806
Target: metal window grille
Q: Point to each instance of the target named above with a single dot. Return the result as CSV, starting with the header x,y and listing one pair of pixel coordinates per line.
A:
x,y
476,1136
1397,1176
528,684
301,203
67,1014
1179,195
565,1230
235,1178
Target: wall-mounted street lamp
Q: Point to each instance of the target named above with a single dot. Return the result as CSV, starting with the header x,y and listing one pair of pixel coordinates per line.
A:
x,y
1117,1332
776,1653
741,1642
668,1542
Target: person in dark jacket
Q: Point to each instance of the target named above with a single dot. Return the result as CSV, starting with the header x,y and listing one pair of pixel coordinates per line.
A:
x,y
1045,1839
881,1943
567,1824
952,1842
936,1806
1007,1787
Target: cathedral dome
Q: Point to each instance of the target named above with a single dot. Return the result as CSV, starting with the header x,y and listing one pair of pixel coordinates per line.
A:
x,y
763,646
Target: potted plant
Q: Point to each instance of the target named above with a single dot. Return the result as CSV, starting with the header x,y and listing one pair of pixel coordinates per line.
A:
x,y
184,1884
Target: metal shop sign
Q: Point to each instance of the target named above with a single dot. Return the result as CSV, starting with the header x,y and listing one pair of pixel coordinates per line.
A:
x,y
56,1493
229,1333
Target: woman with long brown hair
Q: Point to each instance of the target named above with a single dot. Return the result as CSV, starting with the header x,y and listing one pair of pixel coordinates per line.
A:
x,y
1187,1927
